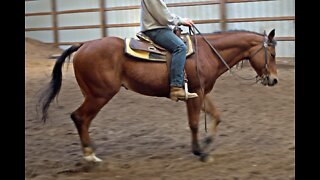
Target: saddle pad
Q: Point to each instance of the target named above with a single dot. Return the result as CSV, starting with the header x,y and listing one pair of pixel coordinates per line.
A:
x,y
146,51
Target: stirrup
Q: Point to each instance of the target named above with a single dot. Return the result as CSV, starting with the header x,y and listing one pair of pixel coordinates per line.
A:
x,y
182,95
186,90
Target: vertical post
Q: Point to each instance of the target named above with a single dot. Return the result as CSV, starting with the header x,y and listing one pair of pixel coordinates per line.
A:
x,y
103,18
223,24
55,22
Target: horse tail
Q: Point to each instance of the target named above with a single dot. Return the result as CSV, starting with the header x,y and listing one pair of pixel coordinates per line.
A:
x,y
53,88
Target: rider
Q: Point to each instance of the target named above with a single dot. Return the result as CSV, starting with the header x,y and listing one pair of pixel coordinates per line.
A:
x,y
155,21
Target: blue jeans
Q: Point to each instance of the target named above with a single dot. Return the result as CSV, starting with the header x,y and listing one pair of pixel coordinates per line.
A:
x,y
172,43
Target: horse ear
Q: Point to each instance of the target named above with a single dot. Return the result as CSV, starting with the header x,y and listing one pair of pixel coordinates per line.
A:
x,y
271,35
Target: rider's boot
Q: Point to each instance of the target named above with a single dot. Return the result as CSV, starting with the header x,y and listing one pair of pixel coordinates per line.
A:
x,y
178,93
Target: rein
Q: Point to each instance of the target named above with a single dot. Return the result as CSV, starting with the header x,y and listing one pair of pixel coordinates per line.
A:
x,y
201,85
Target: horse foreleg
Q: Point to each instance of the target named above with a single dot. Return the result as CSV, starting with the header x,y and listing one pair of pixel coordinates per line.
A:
x,y
82,118
214,114
194,108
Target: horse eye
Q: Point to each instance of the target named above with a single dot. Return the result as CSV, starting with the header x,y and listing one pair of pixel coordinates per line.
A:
x,y
273,55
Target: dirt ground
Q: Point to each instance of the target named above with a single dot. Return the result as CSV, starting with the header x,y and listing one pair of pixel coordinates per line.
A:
x,y
141,137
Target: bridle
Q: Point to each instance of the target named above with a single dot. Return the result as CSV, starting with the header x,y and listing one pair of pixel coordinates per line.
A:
x,y
265,47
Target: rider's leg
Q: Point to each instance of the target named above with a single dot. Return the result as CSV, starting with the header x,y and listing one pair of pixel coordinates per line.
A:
x,y
168,40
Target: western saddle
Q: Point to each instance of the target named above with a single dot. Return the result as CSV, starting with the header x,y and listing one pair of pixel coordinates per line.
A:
x,y
144,48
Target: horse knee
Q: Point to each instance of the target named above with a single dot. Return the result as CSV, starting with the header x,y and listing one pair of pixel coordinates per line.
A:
x,y
194,127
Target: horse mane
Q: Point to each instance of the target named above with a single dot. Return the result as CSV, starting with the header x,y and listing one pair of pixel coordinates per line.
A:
x,y
235,31
274,42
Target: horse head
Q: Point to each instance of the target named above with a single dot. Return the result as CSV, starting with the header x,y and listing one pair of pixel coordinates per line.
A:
x,y
262,57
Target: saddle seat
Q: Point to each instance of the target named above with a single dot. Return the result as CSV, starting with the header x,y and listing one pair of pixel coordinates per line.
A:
x,y
144,48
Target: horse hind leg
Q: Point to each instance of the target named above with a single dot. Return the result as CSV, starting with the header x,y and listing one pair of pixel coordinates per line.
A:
x,y
82,118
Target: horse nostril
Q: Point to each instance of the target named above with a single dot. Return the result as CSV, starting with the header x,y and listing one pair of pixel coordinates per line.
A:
x,y
275,81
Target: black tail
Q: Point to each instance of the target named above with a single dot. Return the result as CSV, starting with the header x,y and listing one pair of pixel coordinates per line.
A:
x,y
53,88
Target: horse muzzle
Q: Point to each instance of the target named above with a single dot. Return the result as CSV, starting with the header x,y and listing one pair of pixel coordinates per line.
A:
x,y
269,80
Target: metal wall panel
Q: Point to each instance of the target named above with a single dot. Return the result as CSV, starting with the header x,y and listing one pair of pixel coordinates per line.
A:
x,y
266,9
37,6
79,35
183,1
123,16
260,9
234,10
116,3
44,36
124,32
197,12
38,21
283,28
285,49
79,19
76,4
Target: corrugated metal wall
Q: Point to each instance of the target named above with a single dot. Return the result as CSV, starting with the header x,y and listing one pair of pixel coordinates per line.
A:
x,y
266,9
203,12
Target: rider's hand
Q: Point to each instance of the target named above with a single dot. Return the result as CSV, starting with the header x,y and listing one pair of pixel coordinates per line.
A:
x,y
187,22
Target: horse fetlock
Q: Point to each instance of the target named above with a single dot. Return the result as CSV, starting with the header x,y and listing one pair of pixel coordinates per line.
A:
x,y
89,155
92,158
196,150
208,144
87,151
208,140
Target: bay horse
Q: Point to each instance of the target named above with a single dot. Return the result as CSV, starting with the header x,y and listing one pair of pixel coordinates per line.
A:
x,y
101,68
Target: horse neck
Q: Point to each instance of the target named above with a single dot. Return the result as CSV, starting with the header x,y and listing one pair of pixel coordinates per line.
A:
x,y
233,47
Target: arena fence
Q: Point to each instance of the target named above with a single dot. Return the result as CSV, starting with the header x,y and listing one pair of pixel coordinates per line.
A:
x,y
104,25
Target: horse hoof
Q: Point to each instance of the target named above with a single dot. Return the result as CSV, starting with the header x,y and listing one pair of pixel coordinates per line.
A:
x,y
92,158
206,158
197,152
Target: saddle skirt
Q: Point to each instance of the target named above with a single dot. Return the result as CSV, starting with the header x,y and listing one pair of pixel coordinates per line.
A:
x,y
144,48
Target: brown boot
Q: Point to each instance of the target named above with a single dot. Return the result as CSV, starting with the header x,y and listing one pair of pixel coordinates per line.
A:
x,y
178,93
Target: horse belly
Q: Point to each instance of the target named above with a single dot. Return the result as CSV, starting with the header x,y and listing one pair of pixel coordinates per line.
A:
x,y
149,79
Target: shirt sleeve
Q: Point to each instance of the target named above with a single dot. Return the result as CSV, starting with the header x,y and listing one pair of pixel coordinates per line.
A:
x,y
159,10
